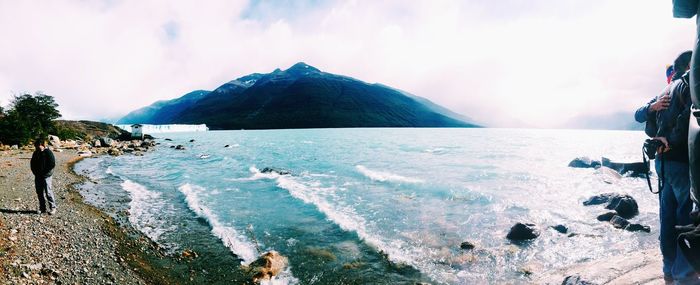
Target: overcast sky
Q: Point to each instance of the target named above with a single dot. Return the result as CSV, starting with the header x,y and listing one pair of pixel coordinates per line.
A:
x,y
505,63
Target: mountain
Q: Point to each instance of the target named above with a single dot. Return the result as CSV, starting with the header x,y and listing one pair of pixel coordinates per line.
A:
x,y
613,121
299,97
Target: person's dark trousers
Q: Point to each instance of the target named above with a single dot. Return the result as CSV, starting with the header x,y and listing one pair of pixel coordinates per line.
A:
x,y
45,192
675,206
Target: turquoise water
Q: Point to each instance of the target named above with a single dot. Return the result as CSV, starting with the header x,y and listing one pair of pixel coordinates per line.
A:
x,y
377,206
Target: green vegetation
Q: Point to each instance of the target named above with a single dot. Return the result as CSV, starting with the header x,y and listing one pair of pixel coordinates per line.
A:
x,y
28,117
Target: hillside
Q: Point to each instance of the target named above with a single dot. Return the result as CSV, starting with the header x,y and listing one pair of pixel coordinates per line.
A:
x,y
299,97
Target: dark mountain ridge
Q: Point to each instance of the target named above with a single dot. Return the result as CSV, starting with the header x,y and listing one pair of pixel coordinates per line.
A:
x,y
299,97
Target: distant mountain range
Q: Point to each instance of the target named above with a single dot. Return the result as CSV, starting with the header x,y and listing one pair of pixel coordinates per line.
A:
x,y
299,97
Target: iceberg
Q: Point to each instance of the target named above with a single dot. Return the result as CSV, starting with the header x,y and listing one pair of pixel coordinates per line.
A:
x,y
174,128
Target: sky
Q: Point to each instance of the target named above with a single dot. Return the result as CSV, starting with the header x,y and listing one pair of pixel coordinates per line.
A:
x,y
506,63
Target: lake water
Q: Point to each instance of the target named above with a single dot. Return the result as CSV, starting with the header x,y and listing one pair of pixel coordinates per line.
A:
x,y
376,206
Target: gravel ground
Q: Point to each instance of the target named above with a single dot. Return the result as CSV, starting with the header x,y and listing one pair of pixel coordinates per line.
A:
x,y
78,245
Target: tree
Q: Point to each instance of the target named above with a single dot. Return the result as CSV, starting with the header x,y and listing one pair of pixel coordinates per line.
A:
x,y
28,117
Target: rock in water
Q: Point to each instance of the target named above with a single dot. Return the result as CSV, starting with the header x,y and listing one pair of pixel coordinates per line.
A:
x,y
268,265
638,228
619,222
600,199
606,217
522,231
466,245
584,162
180,147
625,206
561,229
275,170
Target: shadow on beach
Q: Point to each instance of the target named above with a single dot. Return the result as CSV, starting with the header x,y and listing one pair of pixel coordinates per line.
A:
x,y
10,211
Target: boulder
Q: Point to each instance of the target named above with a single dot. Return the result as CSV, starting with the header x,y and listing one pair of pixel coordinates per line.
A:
x,y
14,147
168,140
584,162
606,217
575,280
85,153
562,229
97,143
638,228
192,140
600,199
619,222
275,170
522,231
180,147
69,144
466,245
114,152
106,142
625,206
268,265
54,141
634,169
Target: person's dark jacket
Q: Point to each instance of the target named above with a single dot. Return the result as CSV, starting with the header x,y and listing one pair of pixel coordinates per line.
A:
x,y
685,8
42,163
672,123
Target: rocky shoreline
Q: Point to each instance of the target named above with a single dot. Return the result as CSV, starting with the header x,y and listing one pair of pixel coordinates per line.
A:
x,y
78,245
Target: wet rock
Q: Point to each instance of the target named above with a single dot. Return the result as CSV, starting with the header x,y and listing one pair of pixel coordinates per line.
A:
x,y
619,222
227,146
562,229
180,147
584,162
275,170
625,206
634,169
192,140
575,280
268,265
600,199
637,228
105,141
522,231
321,253
606,217
168,140
114,152
466,245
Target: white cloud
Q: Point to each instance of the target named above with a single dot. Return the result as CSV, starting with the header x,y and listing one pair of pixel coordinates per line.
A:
x,y
539,64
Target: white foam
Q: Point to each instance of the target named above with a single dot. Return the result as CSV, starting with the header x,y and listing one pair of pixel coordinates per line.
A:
x,y
257,175
386,176
145,209
236,242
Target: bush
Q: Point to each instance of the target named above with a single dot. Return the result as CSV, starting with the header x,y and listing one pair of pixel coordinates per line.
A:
x,y
27,118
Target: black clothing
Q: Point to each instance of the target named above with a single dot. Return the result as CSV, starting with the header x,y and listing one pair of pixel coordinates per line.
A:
x,y
42,163
672,123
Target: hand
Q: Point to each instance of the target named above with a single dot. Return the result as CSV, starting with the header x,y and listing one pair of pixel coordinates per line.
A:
x,y
661,104
664,148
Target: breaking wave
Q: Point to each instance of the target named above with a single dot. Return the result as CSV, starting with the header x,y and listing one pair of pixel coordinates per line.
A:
x,y
386,176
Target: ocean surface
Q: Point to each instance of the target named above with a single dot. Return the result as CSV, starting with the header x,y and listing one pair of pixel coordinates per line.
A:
x,y
376,206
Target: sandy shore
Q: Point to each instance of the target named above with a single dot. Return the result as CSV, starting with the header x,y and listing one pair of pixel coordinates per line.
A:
x,y
78,245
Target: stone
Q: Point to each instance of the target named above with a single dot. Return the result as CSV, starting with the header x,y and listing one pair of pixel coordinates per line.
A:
x,y
634,169
584,162
105,141
97,143
575,280
625,206
114,151
268,265
606,217
600,199
521,231
188,253
168,140
638,228
192,140
619,222
275,170
180,147
54,141
562,229
466,245
14,147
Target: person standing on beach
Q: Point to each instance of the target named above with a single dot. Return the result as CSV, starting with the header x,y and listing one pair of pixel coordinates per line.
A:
x,y
42,165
